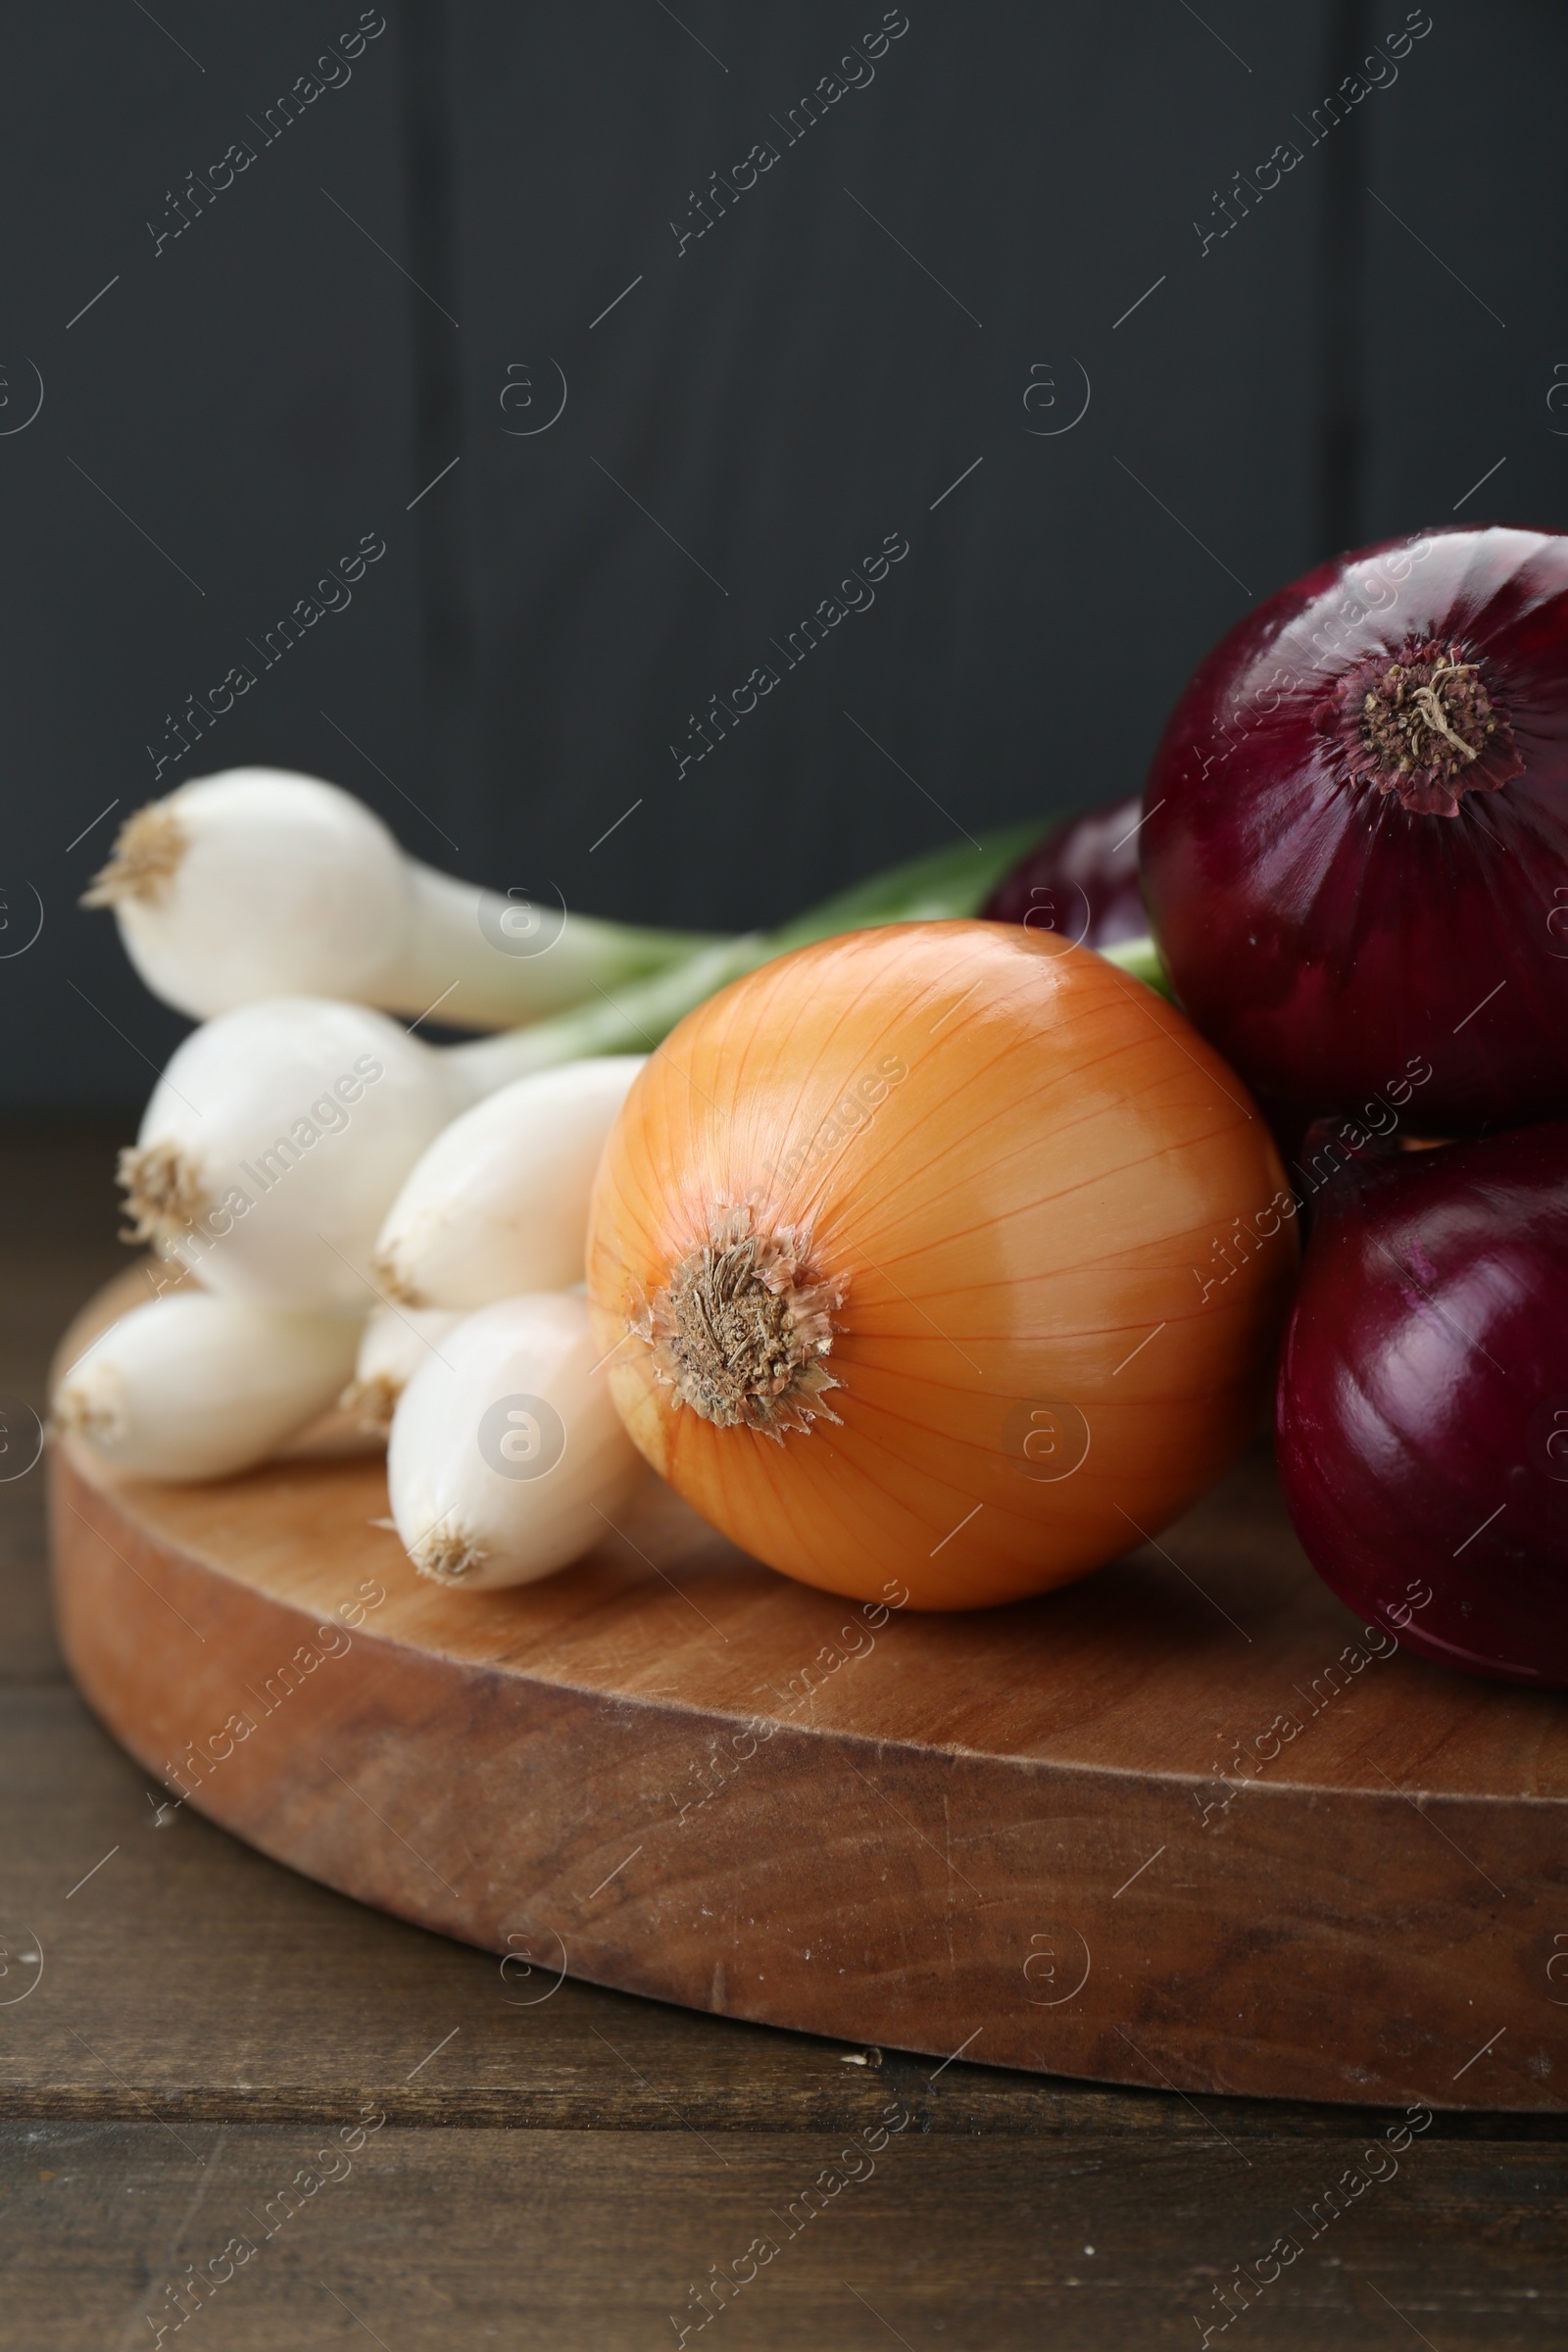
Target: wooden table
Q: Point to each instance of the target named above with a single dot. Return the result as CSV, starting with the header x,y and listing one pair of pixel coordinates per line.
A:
x,y
209,2038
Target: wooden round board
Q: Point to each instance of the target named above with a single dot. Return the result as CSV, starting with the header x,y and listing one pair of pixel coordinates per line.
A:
x,y
1185,1824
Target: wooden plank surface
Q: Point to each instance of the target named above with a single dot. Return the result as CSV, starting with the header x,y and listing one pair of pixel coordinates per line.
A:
x,y
932,280
587,2238
561,2171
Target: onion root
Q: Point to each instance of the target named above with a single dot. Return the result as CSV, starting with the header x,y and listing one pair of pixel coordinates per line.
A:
x,y
447,1554
144,860
740,1330
164,1196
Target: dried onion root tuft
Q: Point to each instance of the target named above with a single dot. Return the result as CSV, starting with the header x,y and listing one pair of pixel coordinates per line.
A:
x,y
448,1555
740,1330
145,859
165,1196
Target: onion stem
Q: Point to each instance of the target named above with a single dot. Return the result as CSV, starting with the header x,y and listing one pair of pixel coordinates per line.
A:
x,y
1141,957
952,882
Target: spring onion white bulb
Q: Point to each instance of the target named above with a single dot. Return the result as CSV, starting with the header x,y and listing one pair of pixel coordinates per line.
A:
x,y
498,1204
507,1457
278,1136
191,1385
258,883
394,1344
274,1142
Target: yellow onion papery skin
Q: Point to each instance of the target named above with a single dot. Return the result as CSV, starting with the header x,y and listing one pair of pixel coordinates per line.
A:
x,y
1049,1225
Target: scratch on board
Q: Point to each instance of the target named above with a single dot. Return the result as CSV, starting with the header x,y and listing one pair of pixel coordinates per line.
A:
x,y
946,1856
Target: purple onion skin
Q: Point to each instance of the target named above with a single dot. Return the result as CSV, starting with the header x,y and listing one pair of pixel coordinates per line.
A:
x,y
1422,1414
1320,931
1081,880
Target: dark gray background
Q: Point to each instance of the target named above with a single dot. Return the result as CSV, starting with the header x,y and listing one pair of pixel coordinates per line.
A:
x,y
1386,328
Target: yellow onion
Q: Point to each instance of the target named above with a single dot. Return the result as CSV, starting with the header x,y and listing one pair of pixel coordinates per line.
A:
x,y
943,1252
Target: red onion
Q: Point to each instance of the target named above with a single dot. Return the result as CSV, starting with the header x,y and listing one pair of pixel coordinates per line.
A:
x,y
1081,880
1355,850
1422,1418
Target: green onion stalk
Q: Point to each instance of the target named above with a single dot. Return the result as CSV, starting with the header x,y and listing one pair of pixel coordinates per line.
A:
x,y
637,1017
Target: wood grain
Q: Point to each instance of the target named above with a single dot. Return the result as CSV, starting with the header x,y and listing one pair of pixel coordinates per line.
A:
x,y
204,2014
983,1832
585,2239
559,2173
